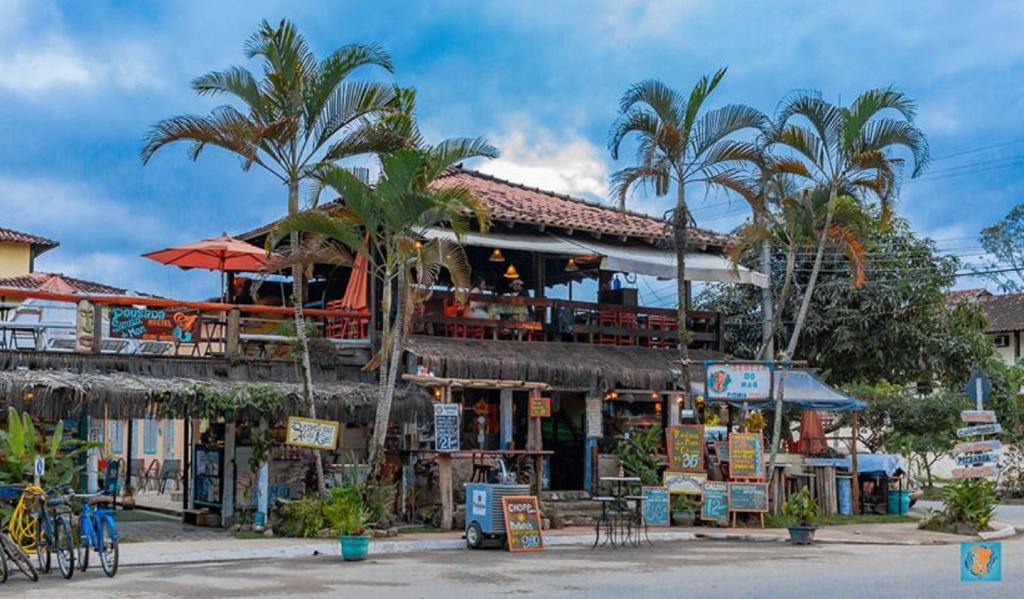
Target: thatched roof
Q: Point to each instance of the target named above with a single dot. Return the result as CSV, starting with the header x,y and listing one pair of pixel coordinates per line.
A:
x,y
561,365
51,393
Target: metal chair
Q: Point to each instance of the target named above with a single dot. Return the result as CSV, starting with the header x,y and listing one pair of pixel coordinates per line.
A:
x,y
169,471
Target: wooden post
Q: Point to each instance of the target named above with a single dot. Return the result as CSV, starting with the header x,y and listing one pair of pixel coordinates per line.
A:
x,y
854,422
444,476
97,329
262,484
234,331
535,442
186,461
227,496
505,410
128,459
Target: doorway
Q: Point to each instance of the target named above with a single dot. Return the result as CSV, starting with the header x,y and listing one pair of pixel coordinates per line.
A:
x,y
565,435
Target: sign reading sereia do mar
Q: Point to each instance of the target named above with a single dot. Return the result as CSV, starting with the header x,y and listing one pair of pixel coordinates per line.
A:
x,y
738,381
316,434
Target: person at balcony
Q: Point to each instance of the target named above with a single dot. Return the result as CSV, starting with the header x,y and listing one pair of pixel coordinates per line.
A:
x,y
518,289
478,309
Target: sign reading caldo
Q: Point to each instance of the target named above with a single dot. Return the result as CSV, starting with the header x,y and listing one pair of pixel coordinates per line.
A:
x,y
738,381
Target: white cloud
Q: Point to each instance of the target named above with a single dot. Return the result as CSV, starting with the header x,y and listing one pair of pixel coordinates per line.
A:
x,y
38,55
538,157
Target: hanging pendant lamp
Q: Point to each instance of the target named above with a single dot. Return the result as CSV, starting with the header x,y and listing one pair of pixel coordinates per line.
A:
x,y
511,272
570,266
496,256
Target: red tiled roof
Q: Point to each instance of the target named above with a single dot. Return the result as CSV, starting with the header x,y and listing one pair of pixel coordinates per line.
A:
x,y
40,243
512,202
1005,312
967,294
58,283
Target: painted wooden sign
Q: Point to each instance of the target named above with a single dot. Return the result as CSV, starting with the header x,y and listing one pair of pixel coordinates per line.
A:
x,y
978,416
316,434
746,456
738,381
685,448
978,446
976,459
715,507
447,425
656,506
154,324
985,471
685,483
748,497
722,449
540,407
979,429
522,523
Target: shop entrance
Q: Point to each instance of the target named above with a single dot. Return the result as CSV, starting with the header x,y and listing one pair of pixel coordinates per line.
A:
x,y
564,433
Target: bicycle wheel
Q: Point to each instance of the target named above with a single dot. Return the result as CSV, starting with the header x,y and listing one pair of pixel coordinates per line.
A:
x,y
44,531
109,552
64,545
3,566
83,544
18,556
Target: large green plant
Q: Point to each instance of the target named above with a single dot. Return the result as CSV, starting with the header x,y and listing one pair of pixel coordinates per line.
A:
x,y
968,504
639,454
21,442
801,507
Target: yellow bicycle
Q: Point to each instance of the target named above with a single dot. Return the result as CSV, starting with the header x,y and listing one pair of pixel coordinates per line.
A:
x,y
41,526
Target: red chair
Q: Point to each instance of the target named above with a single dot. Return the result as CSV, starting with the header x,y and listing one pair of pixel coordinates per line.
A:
x,y
627,320
452,309
608,319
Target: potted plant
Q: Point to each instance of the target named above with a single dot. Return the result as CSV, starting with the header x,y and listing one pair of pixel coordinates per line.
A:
x,y
684,510
345,511
803,511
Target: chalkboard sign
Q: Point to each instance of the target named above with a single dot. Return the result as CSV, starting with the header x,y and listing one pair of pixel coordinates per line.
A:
x,y
154,324
722,449
656,506
686,448
447,418
748,497
522,523
715,507
746,456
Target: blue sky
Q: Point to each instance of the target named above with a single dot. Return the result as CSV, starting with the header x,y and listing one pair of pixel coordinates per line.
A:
x,y
80,83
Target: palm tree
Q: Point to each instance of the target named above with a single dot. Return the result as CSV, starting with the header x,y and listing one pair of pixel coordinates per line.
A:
x,y
298,115
678,144
386,222
847,149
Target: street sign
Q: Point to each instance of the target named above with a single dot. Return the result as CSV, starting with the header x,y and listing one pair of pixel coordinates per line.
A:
x,y
981,429
978,416
977,446
976,459
979,387
985,471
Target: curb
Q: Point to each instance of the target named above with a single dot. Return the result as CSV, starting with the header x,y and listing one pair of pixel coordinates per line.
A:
x,y
1003,531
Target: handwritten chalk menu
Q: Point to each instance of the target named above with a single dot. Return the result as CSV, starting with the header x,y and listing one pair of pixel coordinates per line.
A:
x,y
656,506
447,419
686,448
540,407
746,456
154,324
522,523
748,497
316,434
715,506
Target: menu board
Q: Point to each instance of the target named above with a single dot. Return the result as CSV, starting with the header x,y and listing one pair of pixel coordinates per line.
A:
x,y
715,507
522,523
686,448
685,483
154,324
315,434
746,456
540,407
656,506
447,417
748,497
722,451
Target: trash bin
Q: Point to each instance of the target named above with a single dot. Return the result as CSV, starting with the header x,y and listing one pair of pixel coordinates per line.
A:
x,y
899,501
844,492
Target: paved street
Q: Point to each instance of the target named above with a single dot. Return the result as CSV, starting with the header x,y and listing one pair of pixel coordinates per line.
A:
x,y
689,569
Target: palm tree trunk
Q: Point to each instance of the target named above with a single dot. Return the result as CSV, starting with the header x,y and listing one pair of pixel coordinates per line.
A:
x,y
681,235
767,332
805,305
387,365
767,352
395,362
298,300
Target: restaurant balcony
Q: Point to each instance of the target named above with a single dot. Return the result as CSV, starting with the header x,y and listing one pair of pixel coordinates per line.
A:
x,y
528,319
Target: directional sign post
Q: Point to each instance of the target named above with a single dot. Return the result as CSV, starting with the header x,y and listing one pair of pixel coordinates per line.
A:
x,y
978,388
978,458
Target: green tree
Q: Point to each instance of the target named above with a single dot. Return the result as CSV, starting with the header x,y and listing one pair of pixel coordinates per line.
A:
x,y
386,222
299,114
1004,240
678,143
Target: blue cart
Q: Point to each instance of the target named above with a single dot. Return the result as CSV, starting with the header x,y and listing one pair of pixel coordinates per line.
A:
x,y
485,518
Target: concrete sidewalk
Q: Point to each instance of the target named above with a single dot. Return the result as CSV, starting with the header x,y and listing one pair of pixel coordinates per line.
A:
x,y
230,549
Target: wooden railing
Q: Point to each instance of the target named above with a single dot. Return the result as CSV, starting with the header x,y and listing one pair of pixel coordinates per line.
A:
x,y
544,319
223,329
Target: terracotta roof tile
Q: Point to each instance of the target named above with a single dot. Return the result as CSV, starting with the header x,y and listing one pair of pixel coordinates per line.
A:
x,y
512,202
59,283
953,297
12,236
1005,312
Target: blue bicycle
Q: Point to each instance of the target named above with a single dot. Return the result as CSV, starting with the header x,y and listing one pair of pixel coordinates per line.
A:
x,y
97,532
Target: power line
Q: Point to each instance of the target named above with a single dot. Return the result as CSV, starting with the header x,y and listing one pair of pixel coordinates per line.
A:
x,y
981,149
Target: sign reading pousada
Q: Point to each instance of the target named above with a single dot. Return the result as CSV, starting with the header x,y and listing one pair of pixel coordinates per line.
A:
x,y
316,434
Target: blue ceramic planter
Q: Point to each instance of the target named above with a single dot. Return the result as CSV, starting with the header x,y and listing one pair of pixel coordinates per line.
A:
x,y
354,548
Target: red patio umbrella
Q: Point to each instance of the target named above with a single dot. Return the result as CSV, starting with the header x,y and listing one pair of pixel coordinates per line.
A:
x,y
223,253
812,433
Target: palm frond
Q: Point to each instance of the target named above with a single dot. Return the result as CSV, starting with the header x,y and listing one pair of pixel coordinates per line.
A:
x,y
237,81
625,180
871,103
881,134
635,120
225,128
349,103
853,248
662,100
332,71
316,222
715,125
698,95
453,151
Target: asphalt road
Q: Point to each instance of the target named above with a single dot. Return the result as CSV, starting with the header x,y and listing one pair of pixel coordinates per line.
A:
x,y
685,569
